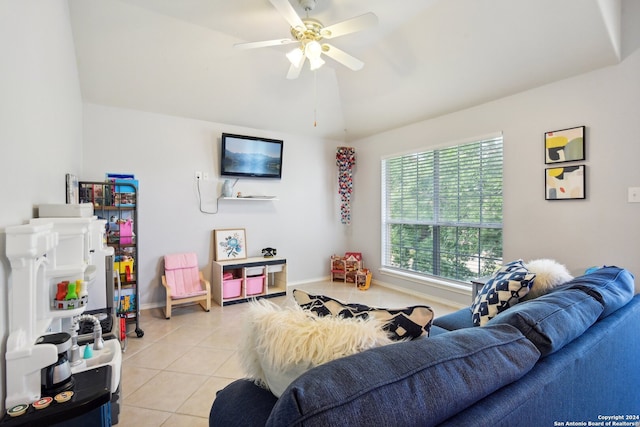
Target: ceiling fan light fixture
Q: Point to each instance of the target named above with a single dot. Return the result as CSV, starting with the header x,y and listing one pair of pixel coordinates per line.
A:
x,y
312,50
295,56
315,63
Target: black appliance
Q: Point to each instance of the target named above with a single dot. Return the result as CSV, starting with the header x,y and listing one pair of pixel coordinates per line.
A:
x,y
57,377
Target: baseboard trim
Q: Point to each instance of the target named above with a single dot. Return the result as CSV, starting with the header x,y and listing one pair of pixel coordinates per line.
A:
x,y
412,292
453,302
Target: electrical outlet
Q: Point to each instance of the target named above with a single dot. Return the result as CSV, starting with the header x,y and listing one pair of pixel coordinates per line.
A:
x,y
198,175
633,195
205,176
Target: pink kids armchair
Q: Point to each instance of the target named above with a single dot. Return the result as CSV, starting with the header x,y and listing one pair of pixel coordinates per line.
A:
x,y
184,282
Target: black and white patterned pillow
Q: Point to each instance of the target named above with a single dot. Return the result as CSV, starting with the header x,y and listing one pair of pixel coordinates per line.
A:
x,y
505,288
402,323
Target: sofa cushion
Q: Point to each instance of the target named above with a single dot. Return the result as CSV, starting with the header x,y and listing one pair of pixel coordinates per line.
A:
x,y
242,403
436,330
279,344
457,320
614,284
503,290
553,320
401,323
595,374
419,382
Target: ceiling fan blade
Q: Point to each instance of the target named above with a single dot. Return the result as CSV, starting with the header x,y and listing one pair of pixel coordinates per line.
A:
x,y
342,57
288,13
350,26
266,43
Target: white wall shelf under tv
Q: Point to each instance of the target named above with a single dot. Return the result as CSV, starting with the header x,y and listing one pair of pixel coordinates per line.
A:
x,y
251,198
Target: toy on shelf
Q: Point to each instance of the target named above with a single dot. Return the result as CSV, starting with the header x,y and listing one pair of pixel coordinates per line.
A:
x,y
124,266
127,303
120,231
62,290
70,295
344,268
71,292
269,252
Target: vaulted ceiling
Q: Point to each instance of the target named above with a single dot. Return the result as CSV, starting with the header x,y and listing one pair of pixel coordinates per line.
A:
x,y
425,58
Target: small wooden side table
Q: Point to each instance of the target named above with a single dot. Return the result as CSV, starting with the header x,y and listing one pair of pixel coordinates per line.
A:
x,y
477,285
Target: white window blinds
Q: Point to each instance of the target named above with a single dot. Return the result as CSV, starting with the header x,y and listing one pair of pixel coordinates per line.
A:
x,y
442,210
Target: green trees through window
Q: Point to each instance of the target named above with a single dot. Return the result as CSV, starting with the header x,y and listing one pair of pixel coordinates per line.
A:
x,y
442,210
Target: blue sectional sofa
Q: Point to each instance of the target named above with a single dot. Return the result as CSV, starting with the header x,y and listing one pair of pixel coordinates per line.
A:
x,y
569,357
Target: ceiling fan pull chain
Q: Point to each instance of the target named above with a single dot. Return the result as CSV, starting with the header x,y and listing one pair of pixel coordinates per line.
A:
x,y
315,98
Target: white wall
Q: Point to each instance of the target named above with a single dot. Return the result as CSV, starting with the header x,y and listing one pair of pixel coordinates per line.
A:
x,y
40,121
41,139
603,229
164,152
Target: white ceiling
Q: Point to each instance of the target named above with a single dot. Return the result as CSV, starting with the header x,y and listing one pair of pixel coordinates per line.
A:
x,y
424,59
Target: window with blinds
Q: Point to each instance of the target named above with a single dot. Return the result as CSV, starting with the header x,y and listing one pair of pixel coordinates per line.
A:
x,y
442,210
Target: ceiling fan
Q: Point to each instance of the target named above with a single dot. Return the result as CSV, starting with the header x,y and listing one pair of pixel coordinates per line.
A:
x,y
309,34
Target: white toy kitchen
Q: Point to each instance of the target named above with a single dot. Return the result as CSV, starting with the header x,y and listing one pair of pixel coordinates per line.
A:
x,y
53,375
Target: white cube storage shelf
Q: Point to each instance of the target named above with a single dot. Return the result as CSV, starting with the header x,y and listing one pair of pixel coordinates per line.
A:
x,y
238,280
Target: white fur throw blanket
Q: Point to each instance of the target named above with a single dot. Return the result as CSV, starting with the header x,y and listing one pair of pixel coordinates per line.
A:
x,y
280,344
549,274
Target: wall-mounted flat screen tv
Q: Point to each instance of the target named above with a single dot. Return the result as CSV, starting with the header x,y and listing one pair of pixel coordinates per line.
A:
x,y
250,156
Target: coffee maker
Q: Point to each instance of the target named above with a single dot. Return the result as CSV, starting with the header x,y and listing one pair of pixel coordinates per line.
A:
x,y
57,376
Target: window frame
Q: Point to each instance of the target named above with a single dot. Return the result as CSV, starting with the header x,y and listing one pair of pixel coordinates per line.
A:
x,y
436,223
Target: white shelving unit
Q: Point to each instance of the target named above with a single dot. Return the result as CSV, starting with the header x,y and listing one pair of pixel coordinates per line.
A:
x,y
252,277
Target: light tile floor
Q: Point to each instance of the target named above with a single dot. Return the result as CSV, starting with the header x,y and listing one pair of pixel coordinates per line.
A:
x,y
171,375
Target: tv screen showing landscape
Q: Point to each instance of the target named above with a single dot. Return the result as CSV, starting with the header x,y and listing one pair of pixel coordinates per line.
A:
x,y
250,156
